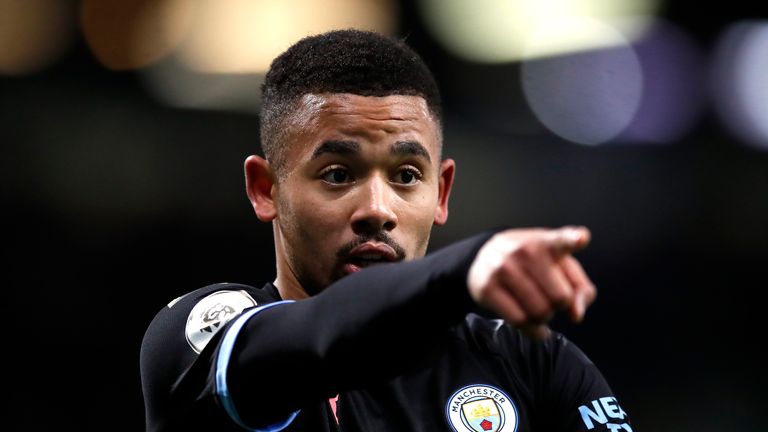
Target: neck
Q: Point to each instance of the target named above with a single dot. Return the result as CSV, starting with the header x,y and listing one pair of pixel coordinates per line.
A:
x,y
286,282
288,290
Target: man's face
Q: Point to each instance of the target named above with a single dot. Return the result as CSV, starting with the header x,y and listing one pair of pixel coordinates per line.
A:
x,y
362,184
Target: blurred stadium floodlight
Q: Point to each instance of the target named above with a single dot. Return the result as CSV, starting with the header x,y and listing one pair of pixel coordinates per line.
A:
x,y
739,81
229,44
592,71
499,31
241,36
588,97
33,34
131,34
674,86
649,91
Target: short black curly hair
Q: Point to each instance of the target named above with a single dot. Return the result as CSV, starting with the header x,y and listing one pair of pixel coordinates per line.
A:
x,y
341,61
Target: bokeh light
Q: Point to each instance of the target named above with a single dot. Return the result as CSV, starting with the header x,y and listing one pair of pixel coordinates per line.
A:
x,y
134,34
497,31
739,81
674,90
588,97
231,43
241,36
33,34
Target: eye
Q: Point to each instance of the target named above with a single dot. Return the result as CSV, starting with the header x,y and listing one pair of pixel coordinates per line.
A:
x,y
408,176
336,176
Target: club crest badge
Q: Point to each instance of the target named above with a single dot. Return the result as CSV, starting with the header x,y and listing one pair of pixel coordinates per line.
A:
x,y
211,313
481,408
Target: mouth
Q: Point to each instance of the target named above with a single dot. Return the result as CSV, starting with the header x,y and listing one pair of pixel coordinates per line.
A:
x,y
368,254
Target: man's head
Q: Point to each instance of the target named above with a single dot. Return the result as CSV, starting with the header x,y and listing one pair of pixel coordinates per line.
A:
x,y
352,135
347,61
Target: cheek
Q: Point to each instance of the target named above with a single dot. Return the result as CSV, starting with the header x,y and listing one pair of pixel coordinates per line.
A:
x,y
322,215
417,220
313,224
310,244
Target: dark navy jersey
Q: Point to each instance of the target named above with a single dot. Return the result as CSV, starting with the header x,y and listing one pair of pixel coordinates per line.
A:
x,y
398,343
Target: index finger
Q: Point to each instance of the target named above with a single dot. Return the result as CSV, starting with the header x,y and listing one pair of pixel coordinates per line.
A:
x,y
568,239
584,291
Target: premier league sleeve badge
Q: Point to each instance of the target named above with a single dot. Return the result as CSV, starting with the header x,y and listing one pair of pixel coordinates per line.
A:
x,y
211,314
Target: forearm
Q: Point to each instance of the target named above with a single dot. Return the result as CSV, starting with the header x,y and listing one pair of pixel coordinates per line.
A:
x,y
366,327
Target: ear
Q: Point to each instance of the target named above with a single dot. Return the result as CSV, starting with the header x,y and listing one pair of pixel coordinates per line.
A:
x,y
447,171
259,183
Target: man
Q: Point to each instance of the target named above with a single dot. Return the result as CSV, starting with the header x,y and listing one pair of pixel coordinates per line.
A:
x,y
360,330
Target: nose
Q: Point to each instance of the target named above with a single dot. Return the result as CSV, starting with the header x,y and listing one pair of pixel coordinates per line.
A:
x,y
374,212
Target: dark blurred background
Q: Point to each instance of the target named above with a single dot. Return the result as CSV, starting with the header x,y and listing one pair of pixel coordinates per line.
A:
x,y
124,125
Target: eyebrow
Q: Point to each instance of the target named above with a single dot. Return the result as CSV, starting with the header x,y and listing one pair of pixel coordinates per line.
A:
x,y
405,148
400,148
336,147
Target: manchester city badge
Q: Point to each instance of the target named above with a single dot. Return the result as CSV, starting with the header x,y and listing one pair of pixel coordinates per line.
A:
x,y
481,408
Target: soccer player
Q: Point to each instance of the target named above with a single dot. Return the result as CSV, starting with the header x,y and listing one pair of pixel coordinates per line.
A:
x,y
360,331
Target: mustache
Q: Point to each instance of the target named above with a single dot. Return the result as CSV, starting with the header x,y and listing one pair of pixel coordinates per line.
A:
x,y
380,237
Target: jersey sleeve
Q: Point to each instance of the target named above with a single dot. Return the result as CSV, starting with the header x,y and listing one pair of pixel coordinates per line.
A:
x,y
264,364
178,350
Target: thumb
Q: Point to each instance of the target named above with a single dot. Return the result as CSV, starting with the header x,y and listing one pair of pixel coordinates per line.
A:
x,y
569,239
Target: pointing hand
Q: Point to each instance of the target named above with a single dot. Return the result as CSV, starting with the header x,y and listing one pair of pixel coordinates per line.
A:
x,y
526,275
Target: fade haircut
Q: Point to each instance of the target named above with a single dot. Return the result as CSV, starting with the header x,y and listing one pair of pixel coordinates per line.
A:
x,y
341,61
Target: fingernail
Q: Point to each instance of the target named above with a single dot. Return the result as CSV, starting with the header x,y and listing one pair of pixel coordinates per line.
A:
x,y
573,234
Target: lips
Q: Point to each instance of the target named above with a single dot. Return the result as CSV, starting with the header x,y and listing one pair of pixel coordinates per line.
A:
x,y
367,254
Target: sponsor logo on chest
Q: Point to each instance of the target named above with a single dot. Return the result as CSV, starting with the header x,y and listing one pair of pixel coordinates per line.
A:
x,y
481,408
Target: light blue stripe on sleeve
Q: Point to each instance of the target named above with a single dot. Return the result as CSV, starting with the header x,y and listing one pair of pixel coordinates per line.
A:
x,y
222,362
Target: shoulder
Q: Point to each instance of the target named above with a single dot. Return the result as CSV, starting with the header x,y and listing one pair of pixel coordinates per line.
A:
x,y
180,343
197,315
182,329
224,292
